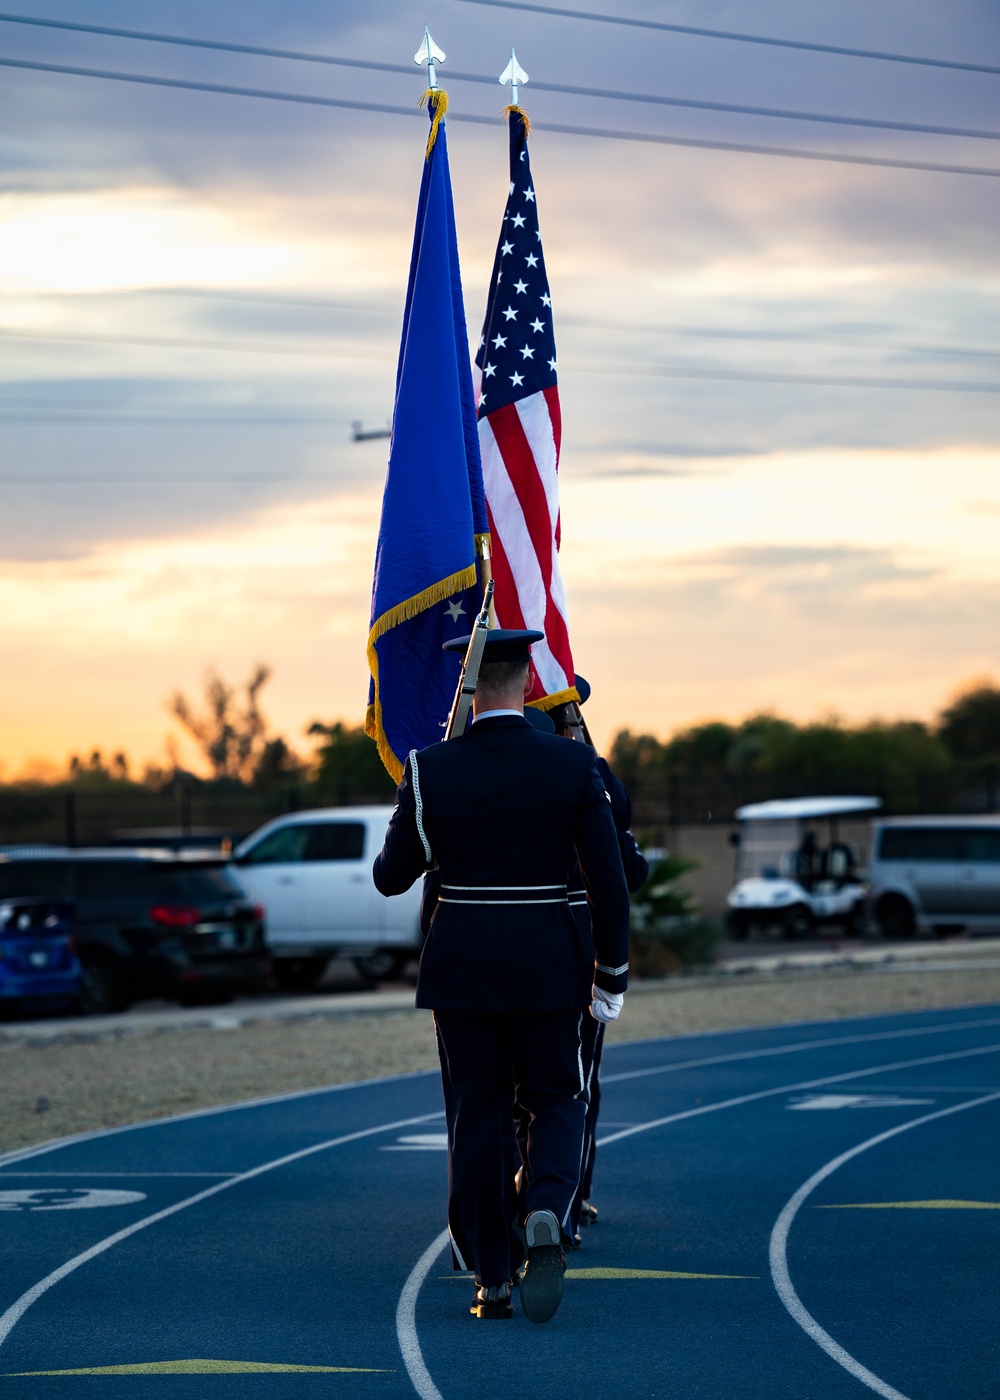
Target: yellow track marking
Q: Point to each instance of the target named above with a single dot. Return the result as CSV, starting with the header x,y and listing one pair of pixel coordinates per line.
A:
x,y
917,1205
193,1368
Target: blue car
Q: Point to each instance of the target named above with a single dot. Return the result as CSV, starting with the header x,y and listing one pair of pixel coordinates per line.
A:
x,y
39,968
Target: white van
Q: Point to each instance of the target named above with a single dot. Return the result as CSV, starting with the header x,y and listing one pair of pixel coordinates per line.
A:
x,y
312,871
935,875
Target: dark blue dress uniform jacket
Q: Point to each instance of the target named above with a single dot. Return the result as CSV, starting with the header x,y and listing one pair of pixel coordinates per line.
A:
x,y
634,863
504,809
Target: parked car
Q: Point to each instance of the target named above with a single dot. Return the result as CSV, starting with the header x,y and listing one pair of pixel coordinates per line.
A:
x,y
312,872
148,923
39,968
935,875
786,878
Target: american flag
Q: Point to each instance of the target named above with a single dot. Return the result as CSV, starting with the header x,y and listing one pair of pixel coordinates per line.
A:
x,y
519,434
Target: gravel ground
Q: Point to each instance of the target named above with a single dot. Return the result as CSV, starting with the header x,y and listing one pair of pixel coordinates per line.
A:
x,y
80,1084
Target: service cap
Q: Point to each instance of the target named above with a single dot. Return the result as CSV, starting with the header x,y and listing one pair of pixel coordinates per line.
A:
x,y
538,719
502,644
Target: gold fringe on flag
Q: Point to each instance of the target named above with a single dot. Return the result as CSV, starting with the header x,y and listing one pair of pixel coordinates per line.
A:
x,y
560,697
510,111
402,612
437,100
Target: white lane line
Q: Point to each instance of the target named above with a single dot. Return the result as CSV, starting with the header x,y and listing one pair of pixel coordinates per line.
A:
x,y
24,1154
16,1311
792,1088
779,1248
798,1047
129,1176
406,1321
406,1329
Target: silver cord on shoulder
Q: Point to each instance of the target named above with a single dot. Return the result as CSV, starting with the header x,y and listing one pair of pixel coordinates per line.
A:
x,y
419,802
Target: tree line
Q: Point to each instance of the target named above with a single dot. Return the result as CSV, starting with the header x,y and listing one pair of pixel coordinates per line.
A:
x,y
910,764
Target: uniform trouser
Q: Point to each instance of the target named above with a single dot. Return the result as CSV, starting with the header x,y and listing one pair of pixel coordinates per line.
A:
x,y
591,1049
489,1058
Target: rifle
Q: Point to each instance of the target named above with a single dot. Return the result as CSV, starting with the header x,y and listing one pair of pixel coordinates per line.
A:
x,y
469,679
576,725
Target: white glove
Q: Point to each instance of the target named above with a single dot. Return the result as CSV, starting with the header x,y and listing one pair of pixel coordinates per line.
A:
x,y
606,1006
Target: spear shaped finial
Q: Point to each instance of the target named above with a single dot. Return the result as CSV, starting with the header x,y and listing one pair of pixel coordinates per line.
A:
x,y
513,74
430,54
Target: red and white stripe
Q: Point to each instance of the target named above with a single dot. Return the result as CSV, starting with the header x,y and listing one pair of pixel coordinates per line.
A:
x,y
520,449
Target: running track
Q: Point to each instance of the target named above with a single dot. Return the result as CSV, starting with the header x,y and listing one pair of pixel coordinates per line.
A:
x,y
796,1213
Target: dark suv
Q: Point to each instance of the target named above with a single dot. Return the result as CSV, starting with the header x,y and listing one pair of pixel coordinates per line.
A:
x,y
148,923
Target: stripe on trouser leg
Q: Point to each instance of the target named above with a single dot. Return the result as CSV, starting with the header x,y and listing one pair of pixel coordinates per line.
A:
x,y
583,1135
458,1253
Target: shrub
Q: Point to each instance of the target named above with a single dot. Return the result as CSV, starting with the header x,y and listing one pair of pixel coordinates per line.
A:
x,y
665,947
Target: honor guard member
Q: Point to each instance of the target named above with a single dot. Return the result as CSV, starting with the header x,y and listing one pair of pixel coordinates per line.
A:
x,y
501,812
636,870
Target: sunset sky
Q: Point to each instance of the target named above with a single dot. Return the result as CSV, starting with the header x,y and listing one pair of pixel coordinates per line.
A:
x,y
201,292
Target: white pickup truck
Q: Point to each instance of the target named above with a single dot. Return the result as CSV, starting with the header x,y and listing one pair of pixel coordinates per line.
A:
x,y
312,872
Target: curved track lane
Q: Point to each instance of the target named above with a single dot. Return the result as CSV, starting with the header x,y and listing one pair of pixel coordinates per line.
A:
x,y
808,1211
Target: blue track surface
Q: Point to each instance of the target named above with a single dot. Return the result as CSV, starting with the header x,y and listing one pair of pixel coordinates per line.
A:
x,y
829,1195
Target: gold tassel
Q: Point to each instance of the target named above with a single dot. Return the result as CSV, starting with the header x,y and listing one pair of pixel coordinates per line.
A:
x,y
509,111
437,100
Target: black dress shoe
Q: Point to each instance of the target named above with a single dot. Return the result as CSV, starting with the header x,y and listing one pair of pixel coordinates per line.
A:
x,y
492,1303
545,1267
588,1213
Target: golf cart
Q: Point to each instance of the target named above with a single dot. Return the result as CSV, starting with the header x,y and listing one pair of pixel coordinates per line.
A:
x,y
786,878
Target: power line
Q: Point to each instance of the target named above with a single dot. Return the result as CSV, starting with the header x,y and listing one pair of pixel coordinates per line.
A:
x,y
781,113
141,419
562,128
582,322
169,342
751,148
739,38
264,298
747,376
669,371
563,89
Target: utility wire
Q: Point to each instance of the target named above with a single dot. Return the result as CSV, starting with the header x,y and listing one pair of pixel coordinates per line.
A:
x,y
580,322
562,128
737,37
171,343
674,371
563,89
749,376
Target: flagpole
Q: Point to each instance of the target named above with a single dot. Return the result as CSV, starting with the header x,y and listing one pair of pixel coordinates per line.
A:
x,y
515,75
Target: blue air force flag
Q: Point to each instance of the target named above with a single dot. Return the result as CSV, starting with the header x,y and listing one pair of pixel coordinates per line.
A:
x,y
434,507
